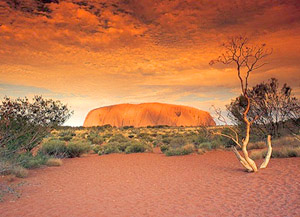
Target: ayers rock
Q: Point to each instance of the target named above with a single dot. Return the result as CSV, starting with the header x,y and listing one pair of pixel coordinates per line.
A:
x,y
148,114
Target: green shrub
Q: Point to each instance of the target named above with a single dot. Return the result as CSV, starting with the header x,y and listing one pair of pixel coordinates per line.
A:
x,y
28,161
178,142
66,138
164,148
136,147
96,148
118,138
77,148
177,151
55,148
109,148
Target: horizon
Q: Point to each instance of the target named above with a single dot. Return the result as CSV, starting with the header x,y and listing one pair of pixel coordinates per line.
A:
x,y
90,54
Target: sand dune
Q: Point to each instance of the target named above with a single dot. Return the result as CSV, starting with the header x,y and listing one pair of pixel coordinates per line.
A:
x,y
213,184
148,114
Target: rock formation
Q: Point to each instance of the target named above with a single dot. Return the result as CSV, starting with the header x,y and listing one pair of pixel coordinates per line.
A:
x,y
148,114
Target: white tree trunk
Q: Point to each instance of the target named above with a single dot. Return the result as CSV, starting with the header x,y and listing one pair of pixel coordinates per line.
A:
x,y
269,153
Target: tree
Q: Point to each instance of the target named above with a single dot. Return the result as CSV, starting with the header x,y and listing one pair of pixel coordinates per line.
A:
x,y
276,107
23,124
246,58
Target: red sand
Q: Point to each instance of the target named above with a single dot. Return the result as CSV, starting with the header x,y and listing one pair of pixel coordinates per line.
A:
x,y
213,184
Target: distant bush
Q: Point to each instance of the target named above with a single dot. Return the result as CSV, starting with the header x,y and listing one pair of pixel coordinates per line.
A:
x,y
164,148
283,152
55,148
118,138
256,145
136,147
66,138
210,145
178,142
77,148
54,162
109,148
96,148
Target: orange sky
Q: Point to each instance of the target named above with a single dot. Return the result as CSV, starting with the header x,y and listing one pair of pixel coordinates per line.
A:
x,y
92,53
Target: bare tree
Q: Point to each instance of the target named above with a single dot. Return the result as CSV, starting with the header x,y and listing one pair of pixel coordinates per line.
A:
x,y
246,58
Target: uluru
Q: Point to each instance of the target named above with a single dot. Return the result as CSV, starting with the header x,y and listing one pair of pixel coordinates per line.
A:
x,y
148,114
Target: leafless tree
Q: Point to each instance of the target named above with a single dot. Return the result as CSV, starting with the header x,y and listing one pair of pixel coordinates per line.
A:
x,y
246,58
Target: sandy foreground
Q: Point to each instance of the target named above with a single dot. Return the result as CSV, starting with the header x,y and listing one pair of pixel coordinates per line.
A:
x,y
213,184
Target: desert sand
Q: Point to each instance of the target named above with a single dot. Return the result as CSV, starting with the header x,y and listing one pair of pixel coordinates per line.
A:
x,y
148,114
150,184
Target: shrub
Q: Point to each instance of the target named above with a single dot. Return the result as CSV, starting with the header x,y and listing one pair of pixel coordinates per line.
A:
x,y
257,154
28,161
96,148
256,145
20,172
77,148
55,148
201,151
283,152
54,162
136,147
178,142
177,151
164,148
118,138
109,148
95,138
189,147
66,138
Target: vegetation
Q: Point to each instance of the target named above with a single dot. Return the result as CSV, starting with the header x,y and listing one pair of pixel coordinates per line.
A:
x,y
246,58
277,108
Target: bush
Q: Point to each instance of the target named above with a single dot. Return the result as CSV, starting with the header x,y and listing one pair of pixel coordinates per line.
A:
x,y
118,138
256,145
136,147
178,142
95,138
20,172
283,152
164,148
54,162
66,138
55,148
96,148
28,161
109,148
177,151
77,148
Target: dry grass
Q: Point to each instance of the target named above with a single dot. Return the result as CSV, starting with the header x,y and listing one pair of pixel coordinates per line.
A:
x,y
20,172
281,152
256,145
54,162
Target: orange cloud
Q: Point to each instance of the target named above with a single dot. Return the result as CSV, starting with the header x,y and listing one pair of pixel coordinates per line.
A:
x,y
140,50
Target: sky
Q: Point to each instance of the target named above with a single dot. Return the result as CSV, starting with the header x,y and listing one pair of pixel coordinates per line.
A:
x,y
94,53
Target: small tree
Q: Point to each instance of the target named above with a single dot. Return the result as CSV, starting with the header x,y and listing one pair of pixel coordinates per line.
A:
x,y
246,58
277,108
23,124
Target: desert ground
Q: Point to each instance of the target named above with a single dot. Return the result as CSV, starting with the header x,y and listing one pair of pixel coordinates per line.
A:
x,y
151,184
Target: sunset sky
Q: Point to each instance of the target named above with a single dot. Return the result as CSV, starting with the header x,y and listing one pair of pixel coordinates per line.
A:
x,y
93,53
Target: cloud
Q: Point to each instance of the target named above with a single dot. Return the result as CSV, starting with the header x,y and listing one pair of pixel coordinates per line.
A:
x,y
114,51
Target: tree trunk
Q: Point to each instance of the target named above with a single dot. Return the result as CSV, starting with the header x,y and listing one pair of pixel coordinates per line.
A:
x,y
242,160
269,153
246,141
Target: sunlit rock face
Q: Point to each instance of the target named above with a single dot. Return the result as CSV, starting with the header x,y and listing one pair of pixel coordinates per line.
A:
x,y
148,114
